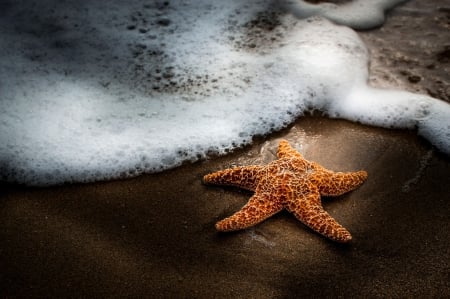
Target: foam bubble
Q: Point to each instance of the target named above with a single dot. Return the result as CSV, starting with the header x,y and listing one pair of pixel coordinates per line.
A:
x,y
358,14
132,88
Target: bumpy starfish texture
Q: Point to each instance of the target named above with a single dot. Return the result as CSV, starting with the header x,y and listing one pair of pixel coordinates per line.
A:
x,y
290,183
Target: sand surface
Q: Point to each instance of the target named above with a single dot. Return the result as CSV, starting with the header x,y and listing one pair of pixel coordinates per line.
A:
x,y
153,236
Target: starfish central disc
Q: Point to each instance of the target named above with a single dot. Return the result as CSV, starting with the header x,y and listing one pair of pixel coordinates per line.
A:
x,y
290,183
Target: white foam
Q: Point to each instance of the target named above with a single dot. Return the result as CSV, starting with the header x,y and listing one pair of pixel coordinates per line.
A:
x,y
104,100
358,14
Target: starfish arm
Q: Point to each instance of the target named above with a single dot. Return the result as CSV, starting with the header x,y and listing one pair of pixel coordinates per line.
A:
x,y
337,183
285,150
310,212
245,177
258,208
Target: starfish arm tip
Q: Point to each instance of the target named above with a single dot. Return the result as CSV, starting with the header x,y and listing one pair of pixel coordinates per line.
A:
x,y
340,235
225,225
344,238
220,227
206,179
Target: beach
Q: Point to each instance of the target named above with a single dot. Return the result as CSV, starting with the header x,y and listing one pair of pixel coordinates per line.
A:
x,y
153,236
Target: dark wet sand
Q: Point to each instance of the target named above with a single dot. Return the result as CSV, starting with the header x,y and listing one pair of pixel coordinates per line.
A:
x,y
153,236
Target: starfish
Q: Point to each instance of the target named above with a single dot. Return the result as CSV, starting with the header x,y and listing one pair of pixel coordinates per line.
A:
x,y
290,183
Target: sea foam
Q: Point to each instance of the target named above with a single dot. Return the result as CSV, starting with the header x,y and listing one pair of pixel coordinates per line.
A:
x,y
92,93
358,14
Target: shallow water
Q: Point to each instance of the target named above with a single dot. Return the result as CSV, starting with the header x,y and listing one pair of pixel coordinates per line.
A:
x,y
93,93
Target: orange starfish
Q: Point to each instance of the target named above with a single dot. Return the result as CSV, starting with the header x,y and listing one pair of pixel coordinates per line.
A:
x,y
290,183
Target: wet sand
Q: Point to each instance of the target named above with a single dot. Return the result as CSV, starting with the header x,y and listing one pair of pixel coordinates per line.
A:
x,y
153,236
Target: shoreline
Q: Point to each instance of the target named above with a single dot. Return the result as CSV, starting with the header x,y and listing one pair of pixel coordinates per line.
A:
x,y
154,236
